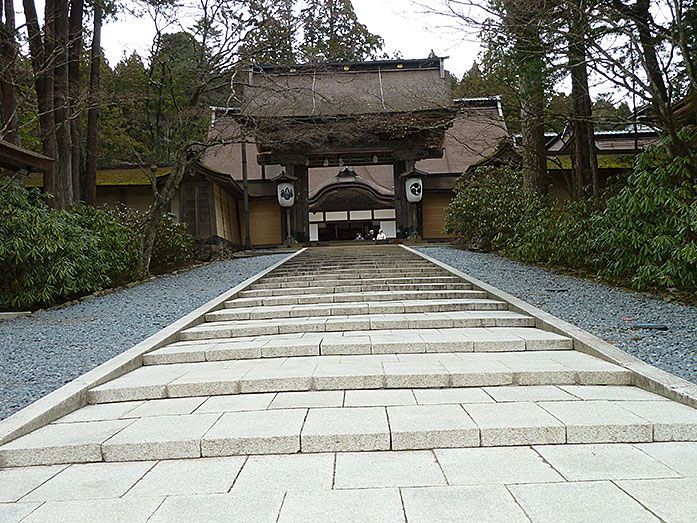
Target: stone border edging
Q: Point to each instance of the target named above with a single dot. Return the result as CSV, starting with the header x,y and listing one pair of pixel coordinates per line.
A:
x,y
644,375
73,395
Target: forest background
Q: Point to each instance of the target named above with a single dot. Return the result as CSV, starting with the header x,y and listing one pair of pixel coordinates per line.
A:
x,y
581,65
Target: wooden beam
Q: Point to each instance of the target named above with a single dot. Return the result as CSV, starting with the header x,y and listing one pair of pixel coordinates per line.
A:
x,y
17,158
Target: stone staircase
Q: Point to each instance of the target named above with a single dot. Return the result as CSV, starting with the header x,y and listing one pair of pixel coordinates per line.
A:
x,y
356,349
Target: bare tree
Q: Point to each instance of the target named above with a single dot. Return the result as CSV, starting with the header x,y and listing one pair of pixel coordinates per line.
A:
x,y
176,102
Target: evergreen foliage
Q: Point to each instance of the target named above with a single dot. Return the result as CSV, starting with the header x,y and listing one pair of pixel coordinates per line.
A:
x,y
646,233
649,230
332,33
49,255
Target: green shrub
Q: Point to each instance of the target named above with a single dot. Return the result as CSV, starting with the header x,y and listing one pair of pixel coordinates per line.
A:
x,y
489,207
560,234
173,243
649,230
47,255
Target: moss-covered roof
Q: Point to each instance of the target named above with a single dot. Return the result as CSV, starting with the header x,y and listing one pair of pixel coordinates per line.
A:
x,y
124,176
605,161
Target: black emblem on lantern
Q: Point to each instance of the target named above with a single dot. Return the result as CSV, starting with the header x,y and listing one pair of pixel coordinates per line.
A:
x,y
415,189
287,193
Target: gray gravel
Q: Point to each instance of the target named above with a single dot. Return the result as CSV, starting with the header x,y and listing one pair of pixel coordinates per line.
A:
x,y
593,307
40,353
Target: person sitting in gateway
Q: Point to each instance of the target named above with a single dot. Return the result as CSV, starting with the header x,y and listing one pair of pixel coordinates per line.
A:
x,y
370,235
381,235
358,238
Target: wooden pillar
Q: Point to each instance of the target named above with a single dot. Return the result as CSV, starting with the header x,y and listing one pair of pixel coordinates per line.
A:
x,y
401,205
300,221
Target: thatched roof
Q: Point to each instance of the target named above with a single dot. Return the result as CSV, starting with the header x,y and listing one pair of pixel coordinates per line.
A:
x,y
335,89
113,177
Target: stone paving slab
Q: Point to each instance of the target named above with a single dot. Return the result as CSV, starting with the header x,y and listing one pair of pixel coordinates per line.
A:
x,y
346,429
455,504
332,309
159,437
231,329
339,506
579,502
265,432
90,481
670,499
603,461
16,482
352,297
431,426
286,473
360,470
681,457
523,423
61,443
544,482
495,465
243,506
181,477
102,510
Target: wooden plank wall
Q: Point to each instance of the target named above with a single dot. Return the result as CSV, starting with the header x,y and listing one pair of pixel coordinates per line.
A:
x,y
264,221
227,220
433,212
196,209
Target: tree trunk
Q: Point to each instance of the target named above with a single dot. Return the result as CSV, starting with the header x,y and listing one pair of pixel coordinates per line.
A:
x,y
156,212
41,58
585,158
74,51
8,55
90,180
534,150
64,171
523,23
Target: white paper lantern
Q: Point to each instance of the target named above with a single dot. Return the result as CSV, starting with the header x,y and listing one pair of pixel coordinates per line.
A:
x,y
286,194
415,189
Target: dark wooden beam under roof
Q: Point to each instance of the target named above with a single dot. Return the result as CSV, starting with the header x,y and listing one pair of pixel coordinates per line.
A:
x,y
350,140
374,65
19,159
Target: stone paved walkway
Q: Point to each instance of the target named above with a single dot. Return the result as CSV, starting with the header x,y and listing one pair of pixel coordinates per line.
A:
x,y
361,384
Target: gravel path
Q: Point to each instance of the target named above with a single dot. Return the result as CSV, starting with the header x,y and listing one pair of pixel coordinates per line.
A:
x,y
40,353
594,307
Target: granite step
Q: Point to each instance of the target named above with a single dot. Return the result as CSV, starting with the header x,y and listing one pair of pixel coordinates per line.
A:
x,y
375,371
353,297
358,287
333,309
477,339
325,282
350,421
358,322
350,271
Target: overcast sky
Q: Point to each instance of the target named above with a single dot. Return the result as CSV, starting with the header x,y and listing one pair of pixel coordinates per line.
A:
x,y
404,26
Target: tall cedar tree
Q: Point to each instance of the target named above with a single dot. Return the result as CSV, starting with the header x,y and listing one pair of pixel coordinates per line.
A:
x,y
333,33
8,57
585,158
50,50
272,35
523,20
